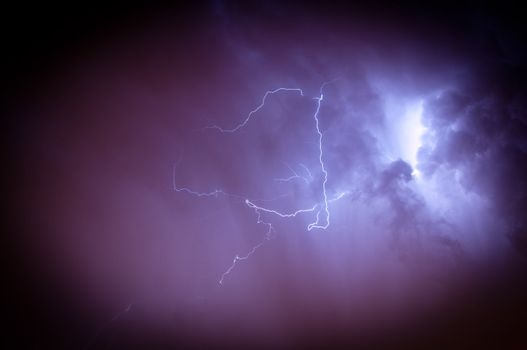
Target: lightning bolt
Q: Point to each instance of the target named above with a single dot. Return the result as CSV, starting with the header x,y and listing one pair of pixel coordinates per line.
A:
x,y
307,171
237,258
296,175
251,113
322,217
316,224
108,323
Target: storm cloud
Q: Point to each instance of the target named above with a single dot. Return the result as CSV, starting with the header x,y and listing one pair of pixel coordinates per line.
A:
x,y
130,204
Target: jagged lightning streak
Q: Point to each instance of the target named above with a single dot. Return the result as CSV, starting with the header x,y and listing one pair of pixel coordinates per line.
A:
x,y
325,207
282,215
307,171
249,116
258,210
316,224
107,324
322,207
296,175
238,258
217,192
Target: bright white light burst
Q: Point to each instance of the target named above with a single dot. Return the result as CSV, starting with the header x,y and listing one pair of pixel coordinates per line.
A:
x,y
412,131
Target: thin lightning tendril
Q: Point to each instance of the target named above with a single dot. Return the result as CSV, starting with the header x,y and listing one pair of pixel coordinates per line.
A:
x,y
282,215
237,258
316,224
107,324
249,116
307,171
295,175
320,208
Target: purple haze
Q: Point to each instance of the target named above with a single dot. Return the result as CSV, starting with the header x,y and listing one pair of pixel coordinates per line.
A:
x,y
423,142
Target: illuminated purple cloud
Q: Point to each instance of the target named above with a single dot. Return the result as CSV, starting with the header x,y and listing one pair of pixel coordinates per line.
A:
x,y
245,178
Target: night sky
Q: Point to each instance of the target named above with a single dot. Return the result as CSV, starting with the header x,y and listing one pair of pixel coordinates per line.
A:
x,y
266,174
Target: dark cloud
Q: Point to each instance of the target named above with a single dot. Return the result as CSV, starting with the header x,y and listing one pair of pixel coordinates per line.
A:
x,y
478,133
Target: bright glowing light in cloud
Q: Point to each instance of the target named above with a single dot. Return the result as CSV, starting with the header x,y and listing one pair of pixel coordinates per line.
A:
x,y
401,137
412,131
